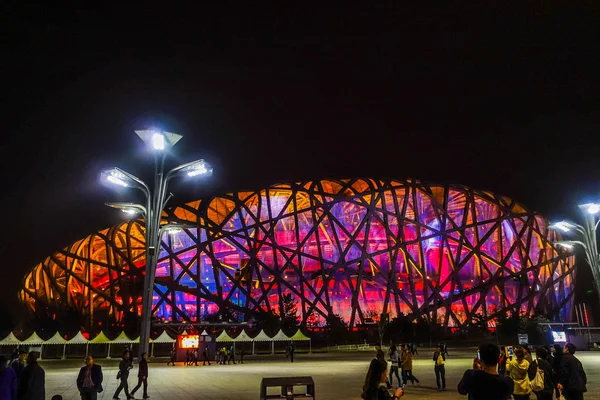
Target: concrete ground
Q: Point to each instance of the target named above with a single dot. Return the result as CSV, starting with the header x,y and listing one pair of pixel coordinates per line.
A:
x,y
338,375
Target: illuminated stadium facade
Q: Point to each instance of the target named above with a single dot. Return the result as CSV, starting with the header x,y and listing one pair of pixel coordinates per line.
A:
x,y
348,247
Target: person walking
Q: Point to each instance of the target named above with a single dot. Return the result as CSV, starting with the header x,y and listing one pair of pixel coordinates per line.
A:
x,y
8,381
205,356
439,367
540,362
33,380
123,374
196,356
407,368
142,376
292,350
572,379
173,357
394,357
89,380
18,363
483,382
517,371
231,355
242,353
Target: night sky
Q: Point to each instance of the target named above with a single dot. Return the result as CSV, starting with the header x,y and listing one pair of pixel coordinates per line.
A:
x,y
496,98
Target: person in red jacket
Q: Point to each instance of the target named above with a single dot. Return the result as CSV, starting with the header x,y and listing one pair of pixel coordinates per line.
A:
x,y
142,376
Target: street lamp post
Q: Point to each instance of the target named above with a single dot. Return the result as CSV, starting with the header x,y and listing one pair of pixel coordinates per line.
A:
x,y
586,234
156,200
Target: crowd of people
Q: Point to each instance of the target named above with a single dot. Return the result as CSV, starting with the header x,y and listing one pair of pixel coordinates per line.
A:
x,y
498,373
23,379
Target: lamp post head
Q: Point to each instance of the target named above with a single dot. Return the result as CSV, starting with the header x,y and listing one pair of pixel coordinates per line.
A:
x,y
116,176
590,208
159,140
561,225
197,168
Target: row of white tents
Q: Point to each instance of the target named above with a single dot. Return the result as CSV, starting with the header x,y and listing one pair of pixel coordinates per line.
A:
x,y
101,338
263,337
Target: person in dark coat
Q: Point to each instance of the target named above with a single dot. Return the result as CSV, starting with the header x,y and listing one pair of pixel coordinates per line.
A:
x,y
439,367
242,353
572,379
124,367
142,376
205,358
89,380
8,381
173,357
18,364
292,349
33,380
541,355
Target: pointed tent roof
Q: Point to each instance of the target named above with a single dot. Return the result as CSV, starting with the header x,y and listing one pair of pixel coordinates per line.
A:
x,y
56,339
281,336
78,339
11,339
262,337
224,337
164,338
122,338
100,339
243,337
204,333
184,332
299,336
136,340
33,339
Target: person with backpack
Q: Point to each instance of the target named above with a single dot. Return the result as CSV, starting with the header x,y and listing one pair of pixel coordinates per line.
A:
x,y
517,370
439,367
541,375
406,366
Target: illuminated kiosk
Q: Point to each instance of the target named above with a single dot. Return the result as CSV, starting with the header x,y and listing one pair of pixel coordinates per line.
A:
x,y
352,247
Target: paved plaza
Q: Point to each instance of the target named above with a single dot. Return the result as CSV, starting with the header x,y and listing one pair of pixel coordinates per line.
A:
x,y
338,375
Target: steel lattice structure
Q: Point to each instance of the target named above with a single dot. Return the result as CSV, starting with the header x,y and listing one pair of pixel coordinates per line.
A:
x,y
349,247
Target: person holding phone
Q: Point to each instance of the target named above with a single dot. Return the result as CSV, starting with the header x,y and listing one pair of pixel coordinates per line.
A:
x,y
483,381
376,387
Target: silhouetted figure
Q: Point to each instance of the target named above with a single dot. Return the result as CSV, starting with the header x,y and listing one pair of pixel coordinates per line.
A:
x,y
205,358
8,381
242,353
18,364
142,376
123,374
33,380
173,357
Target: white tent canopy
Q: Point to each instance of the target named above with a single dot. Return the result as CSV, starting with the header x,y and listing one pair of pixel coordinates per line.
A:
x,y
33,339
204,333
78,339
224,337
243,337
56,339
11,339
280,336
262,337
164,338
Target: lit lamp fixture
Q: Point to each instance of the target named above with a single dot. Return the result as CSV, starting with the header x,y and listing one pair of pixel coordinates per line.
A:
x,y
156,199
586,235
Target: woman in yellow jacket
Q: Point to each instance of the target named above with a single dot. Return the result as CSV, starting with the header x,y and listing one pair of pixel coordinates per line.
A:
x,y
517,370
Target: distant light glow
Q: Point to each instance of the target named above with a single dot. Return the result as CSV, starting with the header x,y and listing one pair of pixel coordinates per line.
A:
x,y
158,141
129,211
117,181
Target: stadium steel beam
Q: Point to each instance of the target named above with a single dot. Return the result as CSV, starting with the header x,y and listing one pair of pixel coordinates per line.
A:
x,y
156,199
586,234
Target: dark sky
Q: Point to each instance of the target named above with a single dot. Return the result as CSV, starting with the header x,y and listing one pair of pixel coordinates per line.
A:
x,y
497,98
